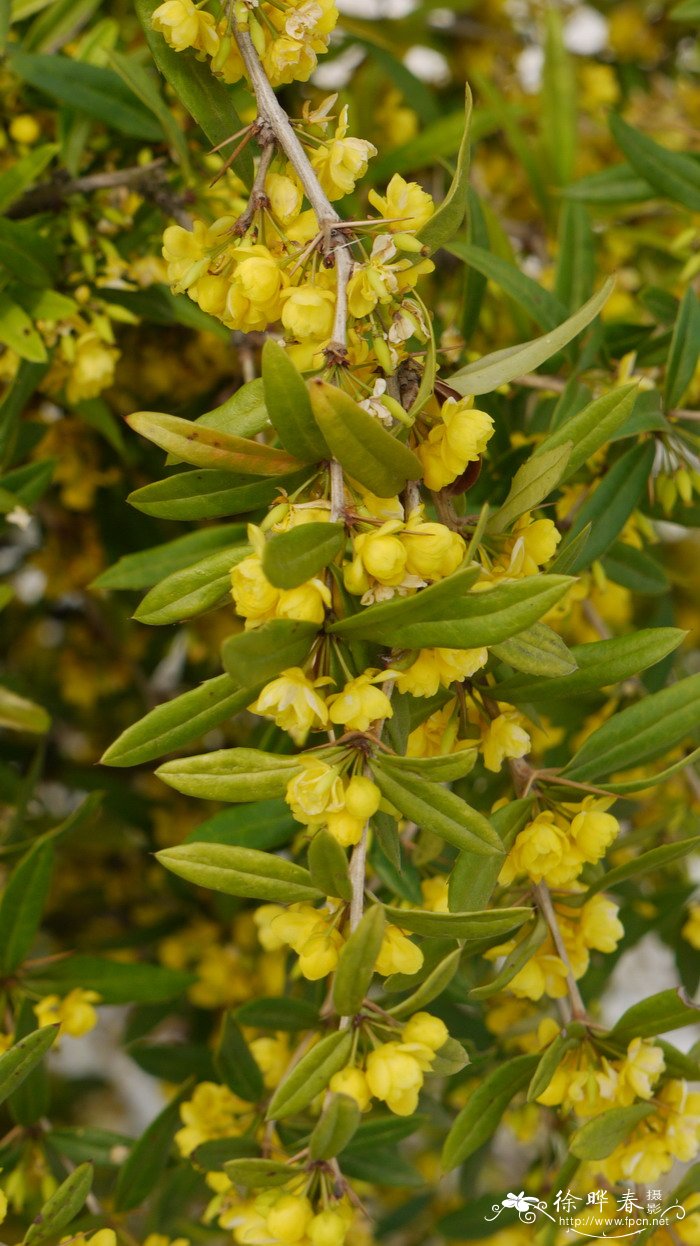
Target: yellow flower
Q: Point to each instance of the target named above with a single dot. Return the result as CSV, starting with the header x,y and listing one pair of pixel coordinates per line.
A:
x,y
25,129
74,1013
691,928
212,1112
544,974
362,797
92,366
352,1082
378,555
289,1218
425,1029
459,439
307,312
398,954
640,1070
328,1228
593,832
184,25
342,161
504,737
433,550
598,924
254,596
318,956
538,851
532,545
345,828
435,668
293,702
406,206
272,1057
285,196
435,893
361,702
316,790
395,1076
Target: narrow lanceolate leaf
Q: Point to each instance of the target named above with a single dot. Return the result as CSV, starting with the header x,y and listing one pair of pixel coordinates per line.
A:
x,y
334,1128
611,503
18,332
22,904
260,1174
482,1114
532,484
590,428
237,775
640,732
240,872
259,655
672,174
287,401
685,349
544,308
439,810
361,445
148,1156
209,494
436,982
328,866
486,925
669,1010
473,879
311,1075
23,1056
61,1207
537,651
466,621
148,566
627,786
243,414
597,665
514,961
599,1137
617,184
208,447
192,590
291,558
445,223
20,714
356,963
559,113
24,172
441,769
236,1064
505,365
550,1060
179,721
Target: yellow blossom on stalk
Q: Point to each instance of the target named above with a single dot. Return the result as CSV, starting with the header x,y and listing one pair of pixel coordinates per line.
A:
x,y
543,852
186,25
315,791
293,702
435,893
285,195
433,550
504,737
435,668
352,1082
532,544
378,555
307,312
459,438
212,1112
398,954
639,1071
395,1076
405,206
341,161
254,596
272,1057
75,1013
425,1029
361,702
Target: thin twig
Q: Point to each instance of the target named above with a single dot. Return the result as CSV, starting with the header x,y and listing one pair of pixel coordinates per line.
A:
x,y
258,195
544,903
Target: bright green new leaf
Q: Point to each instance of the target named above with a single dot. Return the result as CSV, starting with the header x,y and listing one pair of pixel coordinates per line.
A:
x,y
18,332
590,428
361,445
241,872
668,1010
291,558
356,963
192,590
145,568
19,714
488,924
599,1137
208,494
230,774
532,484
287,400
310,1075
334,1128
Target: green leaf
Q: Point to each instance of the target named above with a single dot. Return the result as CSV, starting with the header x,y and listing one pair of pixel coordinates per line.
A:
x,y
193,590
19,714
179,721
278,1013
635,570
609,187
358,441
440,616
18,332
672,174
576,259
590,428
532,483
116,982
23,1056
537,651
141,570
599,665
544,308
652,780
264,824
356,963
23,173
599,1137
439,810
640,732
243,414
148,1157
686,11
685,349
260,654
208,494
505,365
334,1128
138,80
473,879
488,924
550,1060
231,774
287,400
62,1207
610,504
558,112
26,381
431,987
240,872
451,1058
90,89
328,866
261,1174
646,863
441,769
448,218
483,1112
291,558
310,1075
514,961
22,905
205,97
668,1010
195,443
236,1064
